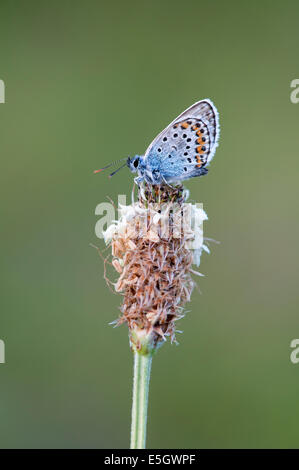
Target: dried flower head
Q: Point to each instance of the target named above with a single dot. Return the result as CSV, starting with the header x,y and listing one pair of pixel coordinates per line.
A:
x,y
154,243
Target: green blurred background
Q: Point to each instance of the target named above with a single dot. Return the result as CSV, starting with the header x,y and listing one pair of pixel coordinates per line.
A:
x,y
90,82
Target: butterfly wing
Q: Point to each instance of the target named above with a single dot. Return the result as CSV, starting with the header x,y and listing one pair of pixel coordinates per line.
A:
x,y
187,145
206,111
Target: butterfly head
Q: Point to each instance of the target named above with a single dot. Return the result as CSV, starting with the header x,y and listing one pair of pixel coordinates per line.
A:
x,y
145,170
135,163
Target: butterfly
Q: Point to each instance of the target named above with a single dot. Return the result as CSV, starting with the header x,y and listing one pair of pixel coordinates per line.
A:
x,y
182,150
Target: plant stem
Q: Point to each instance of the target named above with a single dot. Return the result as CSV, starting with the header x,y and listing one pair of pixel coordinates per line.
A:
x,y
141,378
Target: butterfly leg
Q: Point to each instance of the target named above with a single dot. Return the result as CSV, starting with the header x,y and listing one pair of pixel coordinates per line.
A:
x,y
169,185
138,180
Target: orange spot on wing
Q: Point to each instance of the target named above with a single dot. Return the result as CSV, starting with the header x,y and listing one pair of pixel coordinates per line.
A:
x,y
198,149
199,141
199,162
185,125
198,133
194,128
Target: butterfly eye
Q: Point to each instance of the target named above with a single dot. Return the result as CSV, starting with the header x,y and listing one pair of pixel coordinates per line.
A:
x,y
136,162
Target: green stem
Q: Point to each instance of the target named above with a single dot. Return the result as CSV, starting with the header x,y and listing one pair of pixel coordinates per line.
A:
x,y
142,372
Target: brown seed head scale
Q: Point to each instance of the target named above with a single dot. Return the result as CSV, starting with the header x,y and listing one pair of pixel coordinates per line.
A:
x,y
155,270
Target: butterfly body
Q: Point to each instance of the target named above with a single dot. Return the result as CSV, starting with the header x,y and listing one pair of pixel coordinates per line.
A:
x,y
183,149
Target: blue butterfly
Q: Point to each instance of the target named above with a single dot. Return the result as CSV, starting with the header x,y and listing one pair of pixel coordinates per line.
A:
x,y
182,150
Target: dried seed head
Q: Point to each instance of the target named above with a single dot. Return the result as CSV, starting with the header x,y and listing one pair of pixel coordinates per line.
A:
x,y
151,252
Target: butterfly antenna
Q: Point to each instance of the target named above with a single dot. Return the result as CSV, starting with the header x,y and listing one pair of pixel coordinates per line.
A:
x,y
110,164
112,174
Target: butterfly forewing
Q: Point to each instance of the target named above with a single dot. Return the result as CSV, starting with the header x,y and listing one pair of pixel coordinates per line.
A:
x,y
206,111
193,134
187,145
